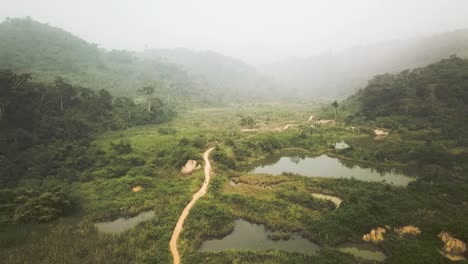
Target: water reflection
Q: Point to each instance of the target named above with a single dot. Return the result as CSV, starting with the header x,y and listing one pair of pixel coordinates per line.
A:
x,y
122,224
325,166
250,236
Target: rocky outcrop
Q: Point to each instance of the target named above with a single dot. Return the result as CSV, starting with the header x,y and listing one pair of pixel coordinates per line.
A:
x,y
453,248
380,132
408,230
189,167
137,189
375,235
337,201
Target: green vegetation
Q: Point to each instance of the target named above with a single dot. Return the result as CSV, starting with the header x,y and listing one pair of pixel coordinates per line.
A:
x,y
71,156
179,76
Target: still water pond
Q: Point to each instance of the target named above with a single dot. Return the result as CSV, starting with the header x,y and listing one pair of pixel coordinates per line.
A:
x,y
250,236
325,166
122,224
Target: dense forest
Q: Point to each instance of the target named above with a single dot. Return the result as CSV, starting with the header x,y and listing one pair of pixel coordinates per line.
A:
x,y
46,129
433,97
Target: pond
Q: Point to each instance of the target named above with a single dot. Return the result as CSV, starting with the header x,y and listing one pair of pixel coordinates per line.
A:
x,y
122,224
325,166
364,251
250,236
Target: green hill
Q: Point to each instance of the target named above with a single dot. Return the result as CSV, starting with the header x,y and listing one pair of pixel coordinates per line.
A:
x,y
430,97
48,52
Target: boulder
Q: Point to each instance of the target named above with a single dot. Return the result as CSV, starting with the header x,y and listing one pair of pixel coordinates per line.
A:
x,y
190,166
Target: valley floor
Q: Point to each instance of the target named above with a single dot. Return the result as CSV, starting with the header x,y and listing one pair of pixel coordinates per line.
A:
x,y
283,203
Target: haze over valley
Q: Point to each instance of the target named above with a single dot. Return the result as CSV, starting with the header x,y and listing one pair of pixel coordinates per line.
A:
x,y
234,131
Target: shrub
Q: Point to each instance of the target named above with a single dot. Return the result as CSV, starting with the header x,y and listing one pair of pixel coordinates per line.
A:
x,y
122,147
34,206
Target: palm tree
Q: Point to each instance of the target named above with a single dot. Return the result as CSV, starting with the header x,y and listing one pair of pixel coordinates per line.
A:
x,y
335,105
148,92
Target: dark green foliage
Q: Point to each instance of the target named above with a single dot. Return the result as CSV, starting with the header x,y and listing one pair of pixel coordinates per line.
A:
x,y
30,205
431,97
177,156
45,130
220,156
199,142
270,144
122,147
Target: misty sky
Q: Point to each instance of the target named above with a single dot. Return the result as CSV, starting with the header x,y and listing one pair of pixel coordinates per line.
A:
x,y
254,30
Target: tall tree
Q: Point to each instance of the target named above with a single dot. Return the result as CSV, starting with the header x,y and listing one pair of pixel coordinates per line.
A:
x,y
9,84
148,92
65,91
335,105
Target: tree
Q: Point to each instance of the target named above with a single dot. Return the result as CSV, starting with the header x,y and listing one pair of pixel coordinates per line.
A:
x,y
9,84
148,92
335,105
65,91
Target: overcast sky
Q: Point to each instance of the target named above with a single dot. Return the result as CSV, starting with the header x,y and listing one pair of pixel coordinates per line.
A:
x,y
254,30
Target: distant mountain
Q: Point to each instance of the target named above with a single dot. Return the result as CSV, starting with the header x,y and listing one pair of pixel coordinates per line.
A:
x,y
342,73
49,52
224,75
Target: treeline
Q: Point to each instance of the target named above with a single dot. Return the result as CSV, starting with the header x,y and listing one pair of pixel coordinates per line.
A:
x,y
431,97
46,129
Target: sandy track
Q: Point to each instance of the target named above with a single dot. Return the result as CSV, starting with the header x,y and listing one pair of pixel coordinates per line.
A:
x,y
186,211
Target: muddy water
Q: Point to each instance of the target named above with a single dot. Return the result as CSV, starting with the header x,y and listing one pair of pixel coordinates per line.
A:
x,y
250,236
325,166
122,224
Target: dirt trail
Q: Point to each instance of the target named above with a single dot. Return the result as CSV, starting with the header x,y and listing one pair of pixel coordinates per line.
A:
x,y
186,211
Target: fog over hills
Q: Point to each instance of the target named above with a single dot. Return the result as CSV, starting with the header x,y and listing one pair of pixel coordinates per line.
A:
x,y
48,52
342,73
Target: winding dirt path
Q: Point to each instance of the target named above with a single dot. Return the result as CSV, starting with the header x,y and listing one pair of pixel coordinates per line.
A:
x,y
186,211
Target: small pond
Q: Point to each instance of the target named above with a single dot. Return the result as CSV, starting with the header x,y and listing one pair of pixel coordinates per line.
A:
x,y
122,224
325,166
364,251
250,236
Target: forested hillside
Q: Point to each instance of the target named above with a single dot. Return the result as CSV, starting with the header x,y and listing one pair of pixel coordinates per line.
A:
x,y
178,75
49,52
45,129
431,97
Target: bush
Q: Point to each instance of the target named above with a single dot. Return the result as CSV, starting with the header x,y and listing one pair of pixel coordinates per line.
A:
x,y
221,157
199,142
34,206
122,147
